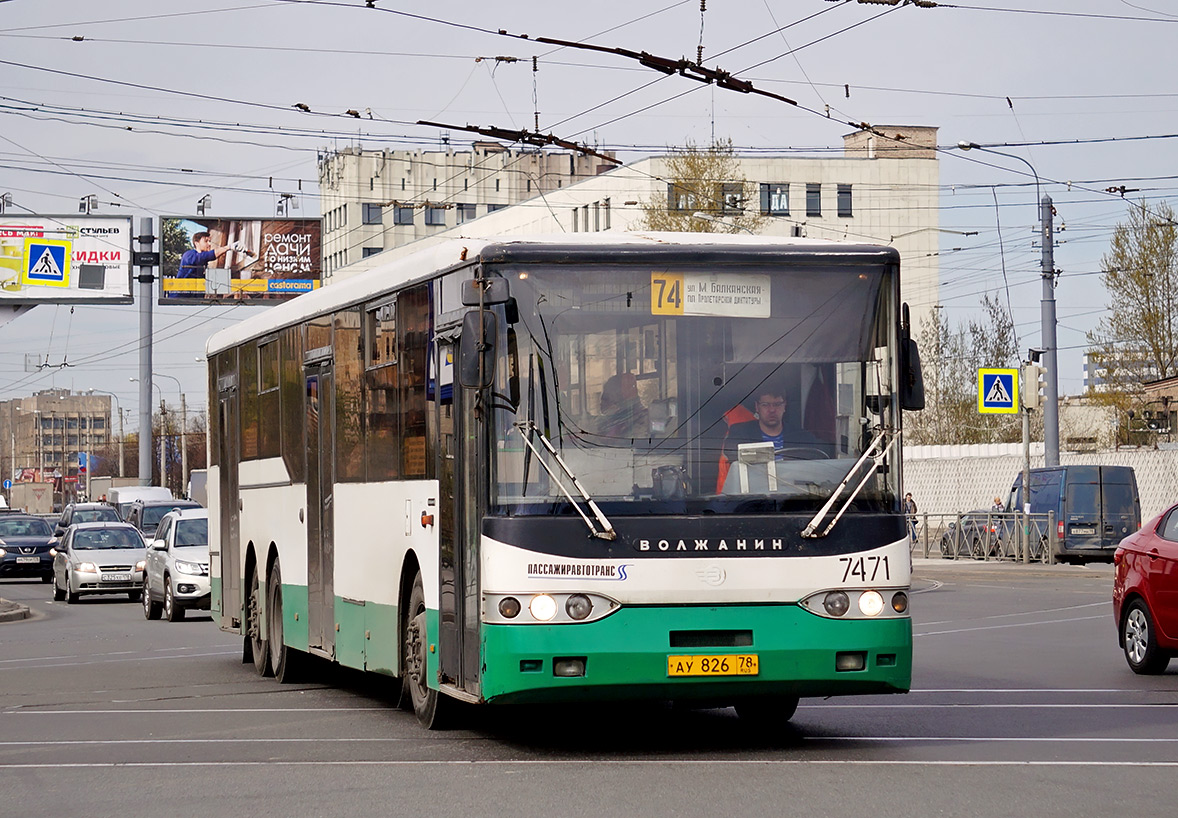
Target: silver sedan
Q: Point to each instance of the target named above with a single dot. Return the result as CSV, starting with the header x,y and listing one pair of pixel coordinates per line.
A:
x,y
99,558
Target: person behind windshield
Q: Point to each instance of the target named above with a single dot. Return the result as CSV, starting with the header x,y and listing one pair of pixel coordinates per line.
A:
x,y
769,426
622,412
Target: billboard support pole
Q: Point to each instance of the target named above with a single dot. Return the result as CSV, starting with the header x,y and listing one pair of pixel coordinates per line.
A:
x,y
146,278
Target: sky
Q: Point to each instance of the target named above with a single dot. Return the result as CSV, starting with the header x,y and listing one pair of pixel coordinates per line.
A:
x,y
150,106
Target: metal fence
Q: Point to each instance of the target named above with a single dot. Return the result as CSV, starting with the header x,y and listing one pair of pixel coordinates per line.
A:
x,y
980,535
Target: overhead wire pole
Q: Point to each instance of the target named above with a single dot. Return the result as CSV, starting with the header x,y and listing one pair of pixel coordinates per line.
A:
x,y
146,261
1046,312
1050,349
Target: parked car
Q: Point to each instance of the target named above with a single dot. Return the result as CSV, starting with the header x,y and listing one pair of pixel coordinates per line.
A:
x,y
176,577
979,535
85,513
99,558
1094,506
1145,594
25,544
146,514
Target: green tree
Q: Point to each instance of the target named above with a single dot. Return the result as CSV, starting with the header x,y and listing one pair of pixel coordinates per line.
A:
x,y
951,358
1137,340
706,181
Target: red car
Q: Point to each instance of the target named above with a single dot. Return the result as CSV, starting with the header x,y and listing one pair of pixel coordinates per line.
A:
x,y
1145,593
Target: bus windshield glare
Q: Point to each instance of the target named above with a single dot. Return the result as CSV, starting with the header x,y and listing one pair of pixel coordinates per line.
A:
x,y
739,390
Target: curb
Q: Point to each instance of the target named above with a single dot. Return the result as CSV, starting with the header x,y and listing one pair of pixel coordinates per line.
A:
x,y
12,611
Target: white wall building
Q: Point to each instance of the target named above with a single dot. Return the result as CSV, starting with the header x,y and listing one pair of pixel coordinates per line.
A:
x,y
881,191
374,200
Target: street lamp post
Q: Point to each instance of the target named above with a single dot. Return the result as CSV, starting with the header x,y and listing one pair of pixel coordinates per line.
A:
x,y
183,431
1047,311
163,438
40,446
119,409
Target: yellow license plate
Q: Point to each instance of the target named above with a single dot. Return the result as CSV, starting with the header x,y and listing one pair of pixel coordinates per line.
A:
x,y
735,664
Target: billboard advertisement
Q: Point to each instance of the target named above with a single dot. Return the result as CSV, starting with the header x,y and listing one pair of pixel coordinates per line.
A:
x,y
208,259
65,260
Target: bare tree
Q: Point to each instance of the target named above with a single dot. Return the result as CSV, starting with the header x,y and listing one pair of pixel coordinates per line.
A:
x,y
705,181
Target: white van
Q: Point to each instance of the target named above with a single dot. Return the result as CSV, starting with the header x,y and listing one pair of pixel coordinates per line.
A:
x,y
121,497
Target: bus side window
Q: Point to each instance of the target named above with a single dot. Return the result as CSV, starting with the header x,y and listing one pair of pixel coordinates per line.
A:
x,y
381,406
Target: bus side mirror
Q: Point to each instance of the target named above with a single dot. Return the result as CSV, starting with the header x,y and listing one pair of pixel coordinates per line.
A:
x,y
476,349
478,292
911,376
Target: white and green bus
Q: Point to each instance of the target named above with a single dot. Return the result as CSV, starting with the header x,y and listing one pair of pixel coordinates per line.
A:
x,y
537,470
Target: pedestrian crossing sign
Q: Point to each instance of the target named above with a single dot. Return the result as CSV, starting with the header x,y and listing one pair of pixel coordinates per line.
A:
x,y
46,263
998,391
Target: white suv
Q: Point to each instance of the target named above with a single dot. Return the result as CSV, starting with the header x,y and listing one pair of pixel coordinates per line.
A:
x,y
177,574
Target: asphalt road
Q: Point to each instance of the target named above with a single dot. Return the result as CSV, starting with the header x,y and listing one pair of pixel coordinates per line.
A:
x,y
1022,705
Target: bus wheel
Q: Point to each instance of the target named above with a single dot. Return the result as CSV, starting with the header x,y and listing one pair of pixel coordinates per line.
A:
x,y
255,643
767,712
428,705
286,662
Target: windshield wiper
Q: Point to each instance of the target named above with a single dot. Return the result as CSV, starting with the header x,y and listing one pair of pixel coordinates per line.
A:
x,y
876,451
606,532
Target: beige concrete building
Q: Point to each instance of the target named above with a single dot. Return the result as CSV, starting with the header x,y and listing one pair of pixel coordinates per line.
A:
x,y
41,436
878,190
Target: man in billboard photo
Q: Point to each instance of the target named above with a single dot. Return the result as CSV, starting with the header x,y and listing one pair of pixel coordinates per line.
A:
x,y
195,260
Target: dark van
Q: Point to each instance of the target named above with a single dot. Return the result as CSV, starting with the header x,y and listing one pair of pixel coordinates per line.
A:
x,y
1095,507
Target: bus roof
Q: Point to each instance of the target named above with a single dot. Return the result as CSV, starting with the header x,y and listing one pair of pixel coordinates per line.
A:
x,y
435,259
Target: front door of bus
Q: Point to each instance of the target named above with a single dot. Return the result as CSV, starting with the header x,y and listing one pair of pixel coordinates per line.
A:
x,y
320,486
461,487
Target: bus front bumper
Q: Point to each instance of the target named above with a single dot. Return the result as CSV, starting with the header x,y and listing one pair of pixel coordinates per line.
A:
x,y
626,655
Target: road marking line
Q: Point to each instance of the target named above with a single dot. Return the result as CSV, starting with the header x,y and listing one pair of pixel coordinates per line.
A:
x,y
112,653
596,762
1013,625
390,740
1025,613
390,709
136,658
199,711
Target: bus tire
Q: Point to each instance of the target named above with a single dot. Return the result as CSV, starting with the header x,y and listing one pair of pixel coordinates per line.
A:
x,y
255,643
428,705
767,712
286,662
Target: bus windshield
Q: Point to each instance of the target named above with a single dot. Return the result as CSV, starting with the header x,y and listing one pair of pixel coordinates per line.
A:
x,y
739,390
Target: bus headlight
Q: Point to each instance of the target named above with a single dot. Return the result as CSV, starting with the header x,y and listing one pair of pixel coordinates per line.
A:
x,y
543,607
836,603
578,606
547,607
871,603
856,603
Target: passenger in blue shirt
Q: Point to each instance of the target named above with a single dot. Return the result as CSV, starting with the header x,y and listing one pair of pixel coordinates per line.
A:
x,y
194,261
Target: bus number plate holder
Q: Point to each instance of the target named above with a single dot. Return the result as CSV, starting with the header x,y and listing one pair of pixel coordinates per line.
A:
x,y
733,664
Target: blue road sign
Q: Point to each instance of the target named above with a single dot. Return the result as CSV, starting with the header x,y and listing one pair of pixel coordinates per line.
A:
x,y
998,391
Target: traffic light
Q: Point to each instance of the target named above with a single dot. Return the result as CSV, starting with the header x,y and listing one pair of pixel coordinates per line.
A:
x,y
1032,398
